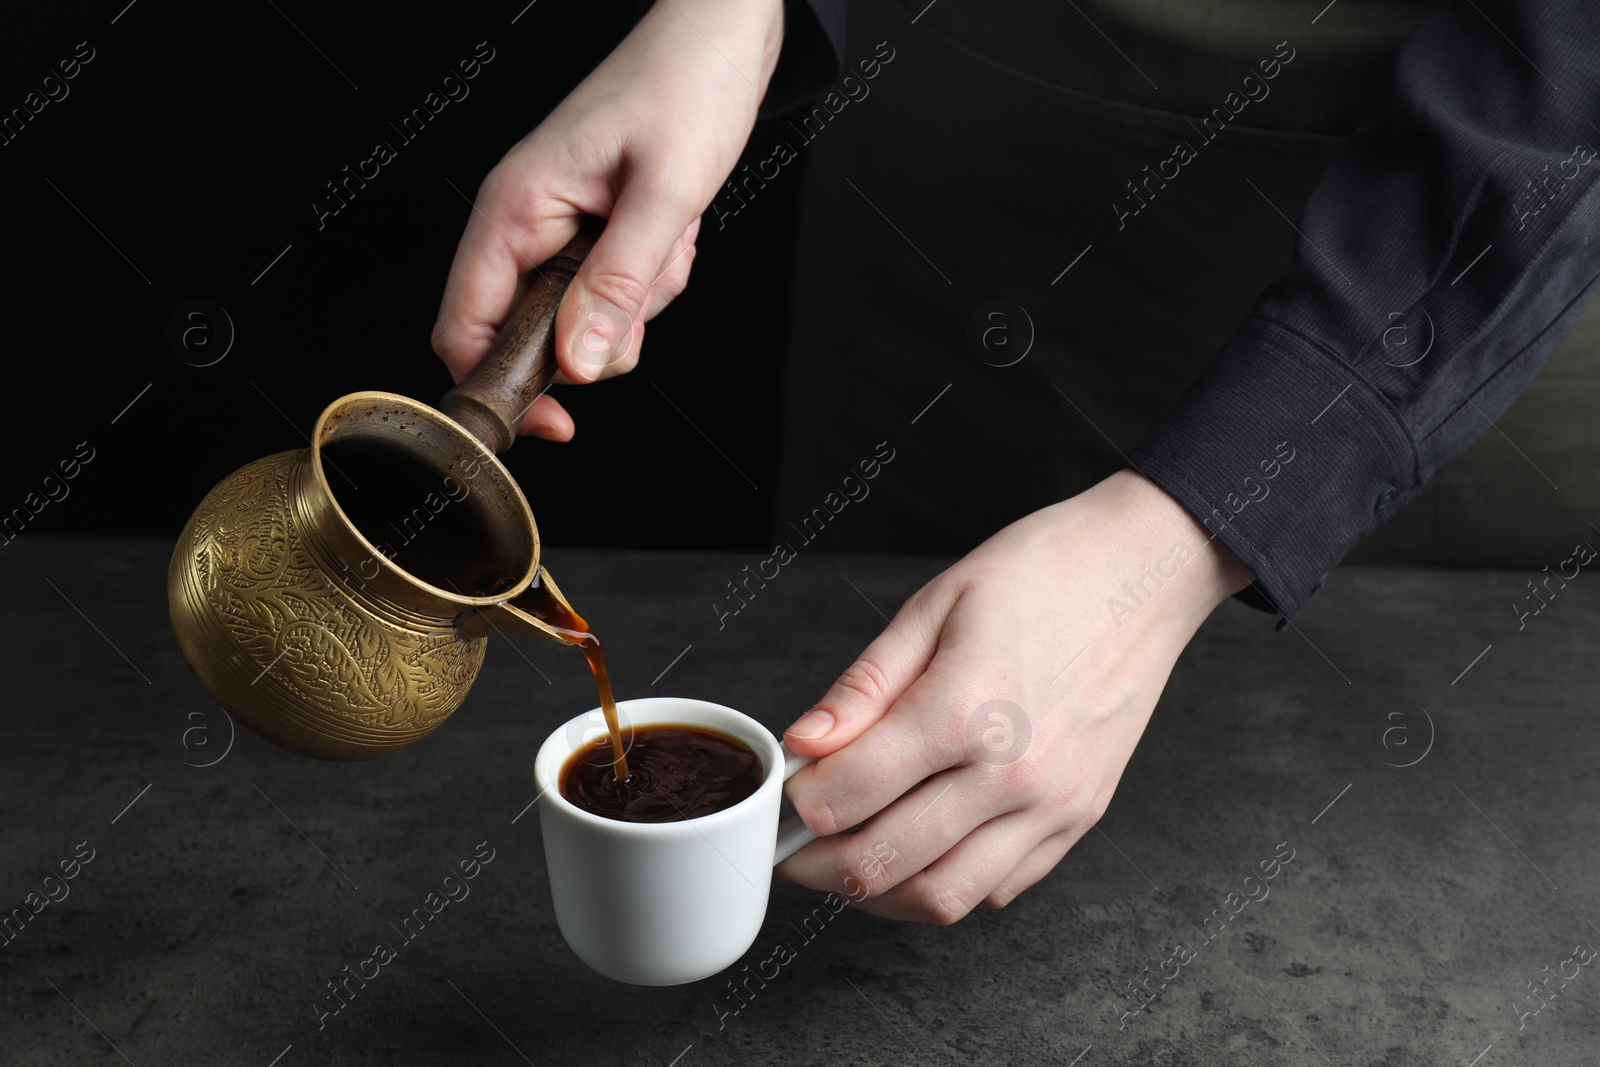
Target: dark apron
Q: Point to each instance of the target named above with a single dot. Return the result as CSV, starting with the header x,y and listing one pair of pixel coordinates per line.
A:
x,y
1012,181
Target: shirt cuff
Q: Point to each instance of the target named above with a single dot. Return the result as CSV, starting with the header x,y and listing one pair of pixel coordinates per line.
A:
x,y
1286,455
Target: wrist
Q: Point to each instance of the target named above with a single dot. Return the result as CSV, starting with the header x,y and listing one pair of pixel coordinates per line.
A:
x,y
1212,573
749,33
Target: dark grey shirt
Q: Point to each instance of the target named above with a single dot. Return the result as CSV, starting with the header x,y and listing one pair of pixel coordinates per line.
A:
x,y
1442,257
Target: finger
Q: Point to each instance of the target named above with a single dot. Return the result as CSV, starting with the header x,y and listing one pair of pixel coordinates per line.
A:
x,y
499,244
865,691
917,738
904,838
948,889
674,280
690,233
628,361
546,418
674,276
458,370
595,326
1034,866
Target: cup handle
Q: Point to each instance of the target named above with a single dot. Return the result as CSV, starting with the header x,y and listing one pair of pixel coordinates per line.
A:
x,y
792,832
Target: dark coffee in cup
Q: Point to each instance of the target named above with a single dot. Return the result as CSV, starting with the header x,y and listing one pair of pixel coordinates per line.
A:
x,y
676,772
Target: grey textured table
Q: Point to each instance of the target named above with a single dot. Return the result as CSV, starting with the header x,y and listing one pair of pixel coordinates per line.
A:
x,y
220,899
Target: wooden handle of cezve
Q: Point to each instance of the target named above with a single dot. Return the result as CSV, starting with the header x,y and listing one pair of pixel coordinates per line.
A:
x,y
491,400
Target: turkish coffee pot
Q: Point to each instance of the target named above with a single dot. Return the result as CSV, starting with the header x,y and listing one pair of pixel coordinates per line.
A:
x,y
298,622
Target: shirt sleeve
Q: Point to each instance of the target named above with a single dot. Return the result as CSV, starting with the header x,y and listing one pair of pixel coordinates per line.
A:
x,y
1442,257
812,56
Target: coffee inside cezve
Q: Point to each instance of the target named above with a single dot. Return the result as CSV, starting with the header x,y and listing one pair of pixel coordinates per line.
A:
x,y
432,525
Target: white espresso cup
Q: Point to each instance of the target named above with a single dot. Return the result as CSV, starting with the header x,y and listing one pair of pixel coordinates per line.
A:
x,y
671,902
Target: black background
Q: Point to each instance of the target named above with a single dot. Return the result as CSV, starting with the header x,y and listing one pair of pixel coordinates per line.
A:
x,y
196,141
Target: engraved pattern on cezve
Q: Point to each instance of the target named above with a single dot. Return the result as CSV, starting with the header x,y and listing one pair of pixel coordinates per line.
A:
x,y
306,631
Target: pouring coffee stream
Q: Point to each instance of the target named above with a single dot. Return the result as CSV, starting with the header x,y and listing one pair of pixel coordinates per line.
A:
x,y
302,620
570,625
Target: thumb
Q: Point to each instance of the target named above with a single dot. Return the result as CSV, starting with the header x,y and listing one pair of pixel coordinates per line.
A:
x,y
869,687
597,328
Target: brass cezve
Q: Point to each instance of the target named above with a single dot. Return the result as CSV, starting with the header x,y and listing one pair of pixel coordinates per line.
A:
x,y
261,588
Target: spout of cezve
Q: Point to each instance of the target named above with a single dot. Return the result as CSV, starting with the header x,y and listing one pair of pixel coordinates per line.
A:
x,y
521,614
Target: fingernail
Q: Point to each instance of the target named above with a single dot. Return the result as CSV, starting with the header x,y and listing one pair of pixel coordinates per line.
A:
x,y
812,725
